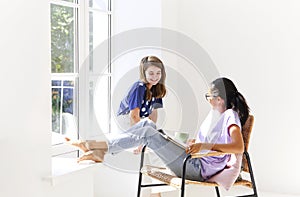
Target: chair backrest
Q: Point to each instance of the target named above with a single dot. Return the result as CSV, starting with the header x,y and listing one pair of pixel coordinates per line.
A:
x,y
246,131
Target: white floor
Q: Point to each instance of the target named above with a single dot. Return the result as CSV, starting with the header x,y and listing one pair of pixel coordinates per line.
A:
x,y
197,191
264,194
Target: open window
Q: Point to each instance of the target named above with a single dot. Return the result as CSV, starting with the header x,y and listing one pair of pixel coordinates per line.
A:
x,y
77,28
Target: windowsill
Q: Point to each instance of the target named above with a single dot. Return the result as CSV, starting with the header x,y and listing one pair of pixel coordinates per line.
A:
x,y
64,169
59,145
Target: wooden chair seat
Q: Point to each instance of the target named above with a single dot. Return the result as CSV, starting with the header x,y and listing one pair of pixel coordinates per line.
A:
x,y
175,181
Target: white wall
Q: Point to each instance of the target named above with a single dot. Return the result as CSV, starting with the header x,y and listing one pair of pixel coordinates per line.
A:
x,y
25,93
255,43
132,14
25,118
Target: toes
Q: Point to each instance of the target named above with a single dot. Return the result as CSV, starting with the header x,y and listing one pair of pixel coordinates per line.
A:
x,y
67,139
89,156
83,158
79,144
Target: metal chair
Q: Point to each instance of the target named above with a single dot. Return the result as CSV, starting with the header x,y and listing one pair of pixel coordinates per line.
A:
x,y
180,183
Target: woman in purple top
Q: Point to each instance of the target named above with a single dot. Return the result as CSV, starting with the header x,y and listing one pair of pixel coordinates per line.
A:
x,y
224,135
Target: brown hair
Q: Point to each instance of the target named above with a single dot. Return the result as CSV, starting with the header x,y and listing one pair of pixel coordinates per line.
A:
x,y
158,90
226,89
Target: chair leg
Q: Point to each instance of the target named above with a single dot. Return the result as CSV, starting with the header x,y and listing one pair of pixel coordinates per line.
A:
x,y
251,174
183,175
140,173
217,191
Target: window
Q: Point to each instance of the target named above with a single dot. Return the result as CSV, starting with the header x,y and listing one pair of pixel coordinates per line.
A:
x,y
77,27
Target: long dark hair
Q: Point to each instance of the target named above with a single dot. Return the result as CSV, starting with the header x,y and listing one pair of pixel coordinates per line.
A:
x,y
158,90
226,89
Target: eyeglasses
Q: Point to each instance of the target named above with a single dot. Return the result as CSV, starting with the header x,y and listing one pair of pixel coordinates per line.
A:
x,y
208,96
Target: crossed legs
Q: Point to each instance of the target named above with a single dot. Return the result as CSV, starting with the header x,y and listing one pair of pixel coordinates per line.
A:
x,y
93,150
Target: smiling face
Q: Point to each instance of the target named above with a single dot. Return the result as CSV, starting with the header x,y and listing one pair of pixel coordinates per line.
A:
x,y
152,72
153,75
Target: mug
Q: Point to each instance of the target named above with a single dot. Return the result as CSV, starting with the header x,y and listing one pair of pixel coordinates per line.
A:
x,y
182,136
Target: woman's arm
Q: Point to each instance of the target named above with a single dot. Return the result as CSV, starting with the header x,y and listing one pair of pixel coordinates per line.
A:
x,y
236,145
134,116
153,115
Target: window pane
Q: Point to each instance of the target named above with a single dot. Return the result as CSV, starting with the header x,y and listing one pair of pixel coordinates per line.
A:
x,y
68,100
69,83
99,4
56,109
56,82
99,112
98,32
62,39
62,104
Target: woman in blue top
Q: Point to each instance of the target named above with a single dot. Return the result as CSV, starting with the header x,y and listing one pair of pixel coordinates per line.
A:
x,y
224,136
145,95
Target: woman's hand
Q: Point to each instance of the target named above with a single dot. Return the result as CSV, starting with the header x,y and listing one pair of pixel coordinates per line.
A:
x,y
194,148
197,147
138,150
235,146
190,142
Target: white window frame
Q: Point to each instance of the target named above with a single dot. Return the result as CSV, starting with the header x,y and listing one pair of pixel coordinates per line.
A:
x,y
81,53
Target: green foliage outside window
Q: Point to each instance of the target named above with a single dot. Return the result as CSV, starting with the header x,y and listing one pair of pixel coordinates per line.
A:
x,y
62,39
56,110
62,58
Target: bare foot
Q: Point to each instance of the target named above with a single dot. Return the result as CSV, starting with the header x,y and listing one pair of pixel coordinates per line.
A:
x,y
94,155
82,145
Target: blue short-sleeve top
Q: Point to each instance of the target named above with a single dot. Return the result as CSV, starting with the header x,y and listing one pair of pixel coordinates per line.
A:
x,y
136,98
